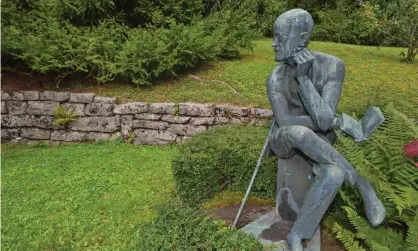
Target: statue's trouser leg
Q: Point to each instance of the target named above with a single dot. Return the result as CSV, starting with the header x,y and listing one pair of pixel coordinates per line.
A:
x,y
317,200
286,139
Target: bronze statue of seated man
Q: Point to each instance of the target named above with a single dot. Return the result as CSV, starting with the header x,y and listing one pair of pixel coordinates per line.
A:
x,y
304,91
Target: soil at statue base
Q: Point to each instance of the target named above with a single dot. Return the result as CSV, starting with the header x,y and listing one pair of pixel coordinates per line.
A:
x,y
253,211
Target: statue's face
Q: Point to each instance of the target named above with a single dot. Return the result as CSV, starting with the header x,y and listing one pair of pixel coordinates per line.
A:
x,y
285,41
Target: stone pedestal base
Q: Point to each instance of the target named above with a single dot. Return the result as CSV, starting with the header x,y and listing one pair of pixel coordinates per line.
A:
x,y
270,229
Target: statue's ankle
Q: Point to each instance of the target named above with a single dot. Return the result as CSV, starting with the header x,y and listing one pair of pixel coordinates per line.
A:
x,y
294,242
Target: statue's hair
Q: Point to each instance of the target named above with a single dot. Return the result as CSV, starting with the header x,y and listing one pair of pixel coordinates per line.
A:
x,y
295,18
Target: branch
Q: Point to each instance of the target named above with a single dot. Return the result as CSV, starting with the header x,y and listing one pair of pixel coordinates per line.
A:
x,y
387,33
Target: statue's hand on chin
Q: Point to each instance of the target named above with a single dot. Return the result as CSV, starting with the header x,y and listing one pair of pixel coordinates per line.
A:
x,y
303,62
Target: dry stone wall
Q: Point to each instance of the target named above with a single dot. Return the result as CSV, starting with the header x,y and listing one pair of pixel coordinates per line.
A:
x,y
28,116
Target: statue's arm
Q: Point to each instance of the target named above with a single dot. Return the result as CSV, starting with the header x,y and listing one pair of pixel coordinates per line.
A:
x,y
322,107
280,109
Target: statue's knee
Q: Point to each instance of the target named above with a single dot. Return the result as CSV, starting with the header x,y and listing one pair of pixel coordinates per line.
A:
x,y
299,134
333,174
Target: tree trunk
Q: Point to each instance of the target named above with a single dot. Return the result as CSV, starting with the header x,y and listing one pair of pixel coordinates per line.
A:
x,y
411,53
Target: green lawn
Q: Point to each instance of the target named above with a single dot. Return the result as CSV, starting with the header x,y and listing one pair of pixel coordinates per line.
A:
x,y
82,196
374,76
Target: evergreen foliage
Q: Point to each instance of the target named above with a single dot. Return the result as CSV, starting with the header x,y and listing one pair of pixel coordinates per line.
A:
x,y
223,158
178,227
382,161
139,46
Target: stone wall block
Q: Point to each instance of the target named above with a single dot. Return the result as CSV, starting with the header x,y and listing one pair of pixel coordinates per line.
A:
x,y
99,109
115,136
69,136
81,98
163,108
3,107
126,124
5,96
96,124
131,108
31,95
10,133
42,107
55,96
231,111
126,119
13,121
182,138
261,113
235,121
202,121
194,109
17,96
104,100
157,125
26,95
148,116
35,133
176,119
10,121
16,107
186,130
41,121
221,120
153,137
78,107
97,136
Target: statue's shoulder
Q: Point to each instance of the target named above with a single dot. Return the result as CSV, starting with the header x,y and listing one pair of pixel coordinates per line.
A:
x,y
323,58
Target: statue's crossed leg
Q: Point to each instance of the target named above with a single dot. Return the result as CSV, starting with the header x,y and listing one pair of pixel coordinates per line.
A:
x,y
331,168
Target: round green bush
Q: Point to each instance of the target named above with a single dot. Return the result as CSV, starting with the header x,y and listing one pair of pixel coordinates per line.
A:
x,y
178,227
223,158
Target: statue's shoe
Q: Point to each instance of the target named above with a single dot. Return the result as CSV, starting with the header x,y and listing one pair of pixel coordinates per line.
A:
x,y
294,242
375,211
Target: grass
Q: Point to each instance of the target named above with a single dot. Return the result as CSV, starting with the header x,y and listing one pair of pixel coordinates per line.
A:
x,y
82,196
374,76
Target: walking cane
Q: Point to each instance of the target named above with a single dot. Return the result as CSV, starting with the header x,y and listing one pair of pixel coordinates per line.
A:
x,y
257,168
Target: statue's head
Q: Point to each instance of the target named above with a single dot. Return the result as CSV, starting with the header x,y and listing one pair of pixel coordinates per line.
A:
x,y
292,31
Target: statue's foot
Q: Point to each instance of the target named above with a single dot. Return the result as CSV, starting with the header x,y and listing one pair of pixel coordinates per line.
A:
x,y
375,211
374,208
295,243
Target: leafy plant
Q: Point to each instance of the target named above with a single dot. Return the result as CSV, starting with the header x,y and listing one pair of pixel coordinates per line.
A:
x,y
89,37
383,162
64,116
223,158
178,227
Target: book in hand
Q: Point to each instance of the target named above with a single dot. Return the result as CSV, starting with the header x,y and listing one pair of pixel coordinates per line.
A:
x,y
361,130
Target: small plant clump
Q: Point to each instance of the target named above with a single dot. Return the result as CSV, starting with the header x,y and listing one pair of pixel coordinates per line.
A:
x,y
64,116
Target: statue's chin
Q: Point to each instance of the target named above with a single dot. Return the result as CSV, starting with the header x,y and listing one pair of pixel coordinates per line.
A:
x,y
278,59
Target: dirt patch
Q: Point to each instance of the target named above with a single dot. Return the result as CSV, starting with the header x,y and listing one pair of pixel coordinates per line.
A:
x,y
250,213
253,211
79,82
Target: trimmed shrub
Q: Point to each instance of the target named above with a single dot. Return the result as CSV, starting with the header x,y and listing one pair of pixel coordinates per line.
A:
x,y
222,158
106,47
177,227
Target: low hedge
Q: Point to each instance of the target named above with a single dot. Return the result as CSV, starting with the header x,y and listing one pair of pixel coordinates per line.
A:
x,y
178,227
223,158
45,41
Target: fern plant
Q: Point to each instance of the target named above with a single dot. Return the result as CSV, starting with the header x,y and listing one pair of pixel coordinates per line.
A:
x,y
64,116
382,161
